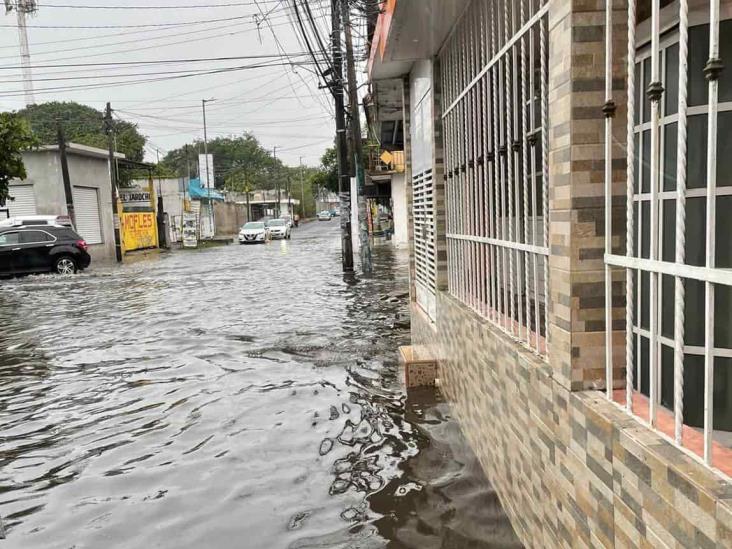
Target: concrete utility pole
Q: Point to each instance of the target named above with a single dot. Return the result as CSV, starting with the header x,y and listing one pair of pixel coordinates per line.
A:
x,y
205,159
302,191
344,180
23,8
109,128
68,190
277,182
363,230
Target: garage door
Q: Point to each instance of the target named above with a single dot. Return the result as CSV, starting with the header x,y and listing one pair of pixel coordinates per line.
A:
x,y
24,203
86,211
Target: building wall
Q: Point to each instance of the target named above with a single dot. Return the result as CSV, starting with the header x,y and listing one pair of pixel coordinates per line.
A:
x,y
571,469
44,173
400,211
229,217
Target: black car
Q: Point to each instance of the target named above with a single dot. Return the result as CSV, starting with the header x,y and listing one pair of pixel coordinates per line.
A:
x,y
41,249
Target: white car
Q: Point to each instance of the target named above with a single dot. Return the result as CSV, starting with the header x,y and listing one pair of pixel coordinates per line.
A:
x,y
254,232
324,216
279,228
53,220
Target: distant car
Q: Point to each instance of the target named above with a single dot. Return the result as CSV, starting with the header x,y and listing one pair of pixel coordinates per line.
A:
x,y
334,213
254,232
279,229
288,220
324,216
27,249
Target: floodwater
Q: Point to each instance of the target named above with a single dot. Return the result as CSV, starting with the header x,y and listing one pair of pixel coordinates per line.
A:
x,y
242,397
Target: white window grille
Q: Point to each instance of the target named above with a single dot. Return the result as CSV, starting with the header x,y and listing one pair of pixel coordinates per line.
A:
x,y
494,83
425,262
678,258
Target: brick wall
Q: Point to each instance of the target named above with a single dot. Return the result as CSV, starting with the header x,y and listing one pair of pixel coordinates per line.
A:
x,y
571,469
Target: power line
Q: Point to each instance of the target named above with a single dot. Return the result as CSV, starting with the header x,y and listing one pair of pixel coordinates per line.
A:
x,y
148,7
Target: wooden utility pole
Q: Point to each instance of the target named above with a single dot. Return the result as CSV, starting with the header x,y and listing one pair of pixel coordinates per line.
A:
x,y
344,180
109,127
363,230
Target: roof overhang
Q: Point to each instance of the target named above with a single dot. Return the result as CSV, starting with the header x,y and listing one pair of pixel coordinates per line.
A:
x,y
409,30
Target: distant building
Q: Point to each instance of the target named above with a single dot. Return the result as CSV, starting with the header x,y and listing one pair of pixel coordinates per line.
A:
x,y
42,193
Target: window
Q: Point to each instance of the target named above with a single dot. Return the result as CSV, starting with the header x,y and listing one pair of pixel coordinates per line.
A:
x,y
494,84
35,237
678,272
8,239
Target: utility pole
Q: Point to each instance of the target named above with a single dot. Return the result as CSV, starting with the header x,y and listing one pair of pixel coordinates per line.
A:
x,y
205,157
289,197
302,192
23,8
68,191
162,233
277,181
344,181
109,127
363,231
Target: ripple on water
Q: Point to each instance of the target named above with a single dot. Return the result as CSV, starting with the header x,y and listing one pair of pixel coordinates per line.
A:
x,y
201,399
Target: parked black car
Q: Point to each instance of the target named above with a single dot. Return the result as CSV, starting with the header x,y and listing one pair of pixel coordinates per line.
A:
x,y
40,249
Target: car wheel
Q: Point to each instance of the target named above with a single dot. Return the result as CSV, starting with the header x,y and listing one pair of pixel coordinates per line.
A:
x,y
65,265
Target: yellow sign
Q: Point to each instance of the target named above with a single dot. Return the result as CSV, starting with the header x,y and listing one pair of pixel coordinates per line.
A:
x,y
139,231
386,157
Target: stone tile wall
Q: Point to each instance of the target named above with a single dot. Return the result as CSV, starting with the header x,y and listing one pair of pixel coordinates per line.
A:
x,y
571,468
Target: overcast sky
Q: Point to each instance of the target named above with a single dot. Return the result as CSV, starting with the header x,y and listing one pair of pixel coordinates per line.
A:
x,y
281,107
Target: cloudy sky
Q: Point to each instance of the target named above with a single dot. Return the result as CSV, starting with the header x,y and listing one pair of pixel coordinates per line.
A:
x,y
82,50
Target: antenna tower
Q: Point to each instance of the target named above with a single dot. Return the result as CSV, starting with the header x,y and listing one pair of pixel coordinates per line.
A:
x,y
23,8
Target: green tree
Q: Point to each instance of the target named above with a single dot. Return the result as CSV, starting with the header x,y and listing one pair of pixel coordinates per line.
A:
x,y
231,154
83,125
15,137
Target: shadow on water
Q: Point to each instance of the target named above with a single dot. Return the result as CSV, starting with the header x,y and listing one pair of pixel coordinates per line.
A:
x,y
233,397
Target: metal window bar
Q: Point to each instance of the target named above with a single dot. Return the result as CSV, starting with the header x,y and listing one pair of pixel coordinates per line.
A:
x,y
496,165
642,269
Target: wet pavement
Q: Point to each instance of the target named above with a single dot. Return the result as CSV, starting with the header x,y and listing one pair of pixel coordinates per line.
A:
x,y
242,397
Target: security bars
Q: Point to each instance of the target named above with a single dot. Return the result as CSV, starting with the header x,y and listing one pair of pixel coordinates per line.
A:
x,y
494,82
678,252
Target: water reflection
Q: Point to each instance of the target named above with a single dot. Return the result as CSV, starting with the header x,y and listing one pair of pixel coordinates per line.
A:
x,y
234,397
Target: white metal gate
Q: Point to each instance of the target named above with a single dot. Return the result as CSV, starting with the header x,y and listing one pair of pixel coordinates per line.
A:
x,y
86,212
424,241
24,203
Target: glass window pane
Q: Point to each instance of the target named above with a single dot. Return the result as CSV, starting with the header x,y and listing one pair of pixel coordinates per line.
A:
x,y
695,313
644,376
645,229
646,82
725,52
668,285
9,238
671,83
668,248
637,91
694,390
698,55
667,377
696,155
724,148
637,163
645,289
646,162
696,238
724,232
670,144
723,316
723,393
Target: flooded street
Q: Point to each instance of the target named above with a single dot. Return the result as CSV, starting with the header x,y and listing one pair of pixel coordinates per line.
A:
x,y
243,397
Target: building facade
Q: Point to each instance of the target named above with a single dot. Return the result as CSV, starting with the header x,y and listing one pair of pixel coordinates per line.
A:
x,y
575,290
42,193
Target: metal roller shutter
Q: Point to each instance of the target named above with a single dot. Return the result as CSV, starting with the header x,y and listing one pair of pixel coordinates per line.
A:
x,y
24,203
86,209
